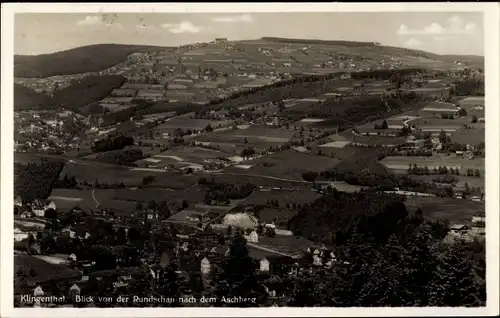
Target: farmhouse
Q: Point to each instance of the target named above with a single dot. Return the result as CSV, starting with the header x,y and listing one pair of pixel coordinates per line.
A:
x,y
177,86
124,92
183,80
117,100
369,131
142,86
151,95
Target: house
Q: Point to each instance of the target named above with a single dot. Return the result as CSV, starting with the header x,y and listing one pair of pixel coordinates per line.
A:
x,y
51,205
39,211
205,266
18,201
74,290
38,292
19,235
264,265
479,224
151,214
477,198
301,149
124,92
26,214
479,217
458,194
119,283
183,80
177,86
317,260
220,40
478,228
35,248
253,237
458,229
151,95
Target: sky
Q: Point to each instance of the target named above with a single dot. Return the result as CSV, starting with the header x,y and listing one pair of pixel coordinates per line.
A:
x,y
437,32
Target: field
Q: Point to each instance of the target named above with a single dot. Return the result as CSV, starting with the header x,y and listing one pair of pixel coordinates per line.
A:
x,y
469,136
288,164
472,100
66,199
280,217
258,137
202,210
25,158
454,210
401,163
90,171
241,177
188,123
294,245
186,156
460,180
193,194
346,152
120,199
44,271
379,140
283,197
435,125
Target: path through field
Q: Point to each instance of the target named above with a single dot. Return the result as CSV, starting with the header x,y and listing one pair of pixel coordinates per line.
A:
x,y
93,197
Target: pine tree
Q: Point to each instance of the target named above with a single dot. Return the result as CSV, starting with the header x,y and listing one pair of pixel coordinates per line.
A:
x,y
168,284
453,283
238,275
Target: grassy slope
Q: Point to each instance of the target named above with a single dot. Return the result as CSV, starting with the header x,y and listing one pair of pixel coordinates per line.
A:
x,y
370,48
92,58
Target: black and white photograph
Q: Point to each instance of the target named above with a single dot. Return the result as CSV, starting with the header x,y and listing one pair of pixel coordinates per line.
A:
x,y
250,159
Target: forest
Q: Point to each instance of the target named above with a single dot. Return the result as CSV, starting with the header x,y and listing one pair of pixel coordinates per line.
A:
x,y
85,59
27,99
396,258
126,157
36,180
468,87
112,143
344,214
361,171
87,90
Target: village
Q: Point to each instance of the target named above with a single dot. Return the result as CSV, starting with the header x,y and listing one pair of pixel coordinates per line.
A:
x,y
149,179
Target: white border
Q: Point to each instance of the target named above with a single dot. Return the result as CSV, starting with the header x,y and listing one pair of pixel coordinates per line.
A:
x,y
491,27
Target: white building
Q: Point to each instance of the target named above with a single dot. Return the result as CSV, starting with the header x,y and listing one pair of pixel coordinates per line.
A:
x,y
205,266
253,237
264,265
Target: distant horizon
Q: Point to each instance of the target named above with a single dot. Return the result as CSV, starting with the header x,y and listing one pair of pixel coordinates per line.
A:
x,y
230,40
443,33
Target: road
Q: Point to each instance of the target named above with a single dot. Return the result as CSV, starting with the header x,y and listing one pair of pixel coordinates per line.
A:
x,y
257,176
262,248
